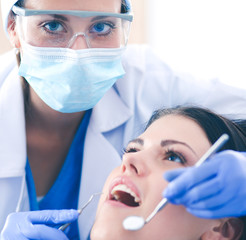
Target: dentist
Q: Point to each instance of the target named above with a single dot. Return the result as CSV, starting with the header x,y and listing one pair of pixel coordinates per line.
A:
x,y
70,104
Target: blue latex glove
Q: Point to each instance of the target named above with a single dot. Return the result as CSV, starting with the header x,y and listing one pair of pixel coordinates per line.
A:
x,y
33,224
216,189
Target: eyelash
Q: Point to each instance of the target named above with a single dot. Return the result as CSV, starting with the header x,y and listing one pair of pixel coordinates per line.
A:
x,y
168,153
44,27
130,150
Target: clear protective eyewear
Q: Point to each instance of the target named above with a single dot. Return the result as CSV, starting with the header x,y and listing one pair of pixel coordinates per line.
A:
x,y
62,28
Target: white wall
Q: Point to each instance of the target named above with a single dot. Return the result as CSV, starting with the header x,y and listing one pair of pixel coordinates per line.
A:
x,y
206,38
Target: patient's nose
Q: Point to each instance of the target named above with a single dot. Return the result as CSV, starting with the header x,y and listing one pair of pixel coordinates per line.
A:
x,y
133,163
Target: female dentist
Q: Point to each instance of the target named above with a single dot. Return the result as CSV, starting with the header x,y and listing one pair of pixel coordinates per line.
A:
x,y
70,104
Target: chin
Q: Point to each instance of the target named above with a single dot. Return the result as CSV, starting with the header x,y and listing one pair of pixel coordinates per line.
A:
x,y
110,228
101,232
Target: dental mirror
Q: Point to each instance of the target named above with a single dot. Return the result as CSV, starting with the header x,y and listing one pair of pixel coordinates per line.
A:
x,y
134,223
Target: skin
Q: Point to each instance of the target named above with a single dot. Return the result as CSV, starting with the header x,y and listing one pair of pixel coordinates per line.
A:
x,y
142,169
50,133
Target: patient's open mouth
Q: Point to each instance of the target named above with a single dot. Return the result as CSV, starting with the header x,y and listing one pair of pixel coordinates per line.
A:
x,y
125,195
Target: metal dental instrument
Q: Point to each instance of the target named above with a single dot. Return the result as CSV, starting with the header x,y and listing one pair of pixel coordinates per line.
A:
x,y
64,226
134,223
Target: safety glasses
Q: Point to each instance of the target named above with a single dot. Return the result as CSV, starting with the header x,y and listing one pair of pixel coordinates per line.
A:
x,y
59,28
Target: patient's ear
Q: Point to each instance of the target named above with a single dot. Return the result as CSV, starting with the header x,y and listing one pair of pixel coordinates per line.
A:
x,y
228,229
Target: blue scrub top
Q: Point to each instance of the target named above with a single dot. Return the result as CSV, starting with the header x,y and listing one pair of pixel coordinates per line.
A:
x,y
65,191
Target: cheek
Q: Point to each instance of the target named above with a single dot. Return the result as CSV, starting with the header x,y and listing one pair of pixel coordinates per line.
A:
x,y
175,223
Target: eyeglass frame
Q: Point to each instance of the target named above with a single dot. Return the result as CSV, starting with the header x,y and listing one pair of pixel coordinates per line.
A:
x,y
25,12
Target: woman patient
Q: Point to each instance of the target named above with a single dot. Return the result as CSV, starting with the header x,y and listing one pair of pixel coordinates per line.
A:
x,y
173,138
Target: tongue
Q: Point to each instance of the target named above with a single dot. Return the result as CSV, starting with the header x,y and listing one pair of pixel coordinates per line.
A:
x,y
126,198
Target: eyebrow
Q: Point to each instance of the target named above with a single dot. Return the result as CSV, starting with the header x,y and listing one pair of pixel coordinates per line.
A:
x,y
98,18
168,142
137,140
58,16
163,143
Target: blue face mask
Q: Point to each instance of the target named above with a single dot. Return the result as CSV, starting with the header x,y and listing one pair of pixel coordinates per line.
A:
x,y
70,80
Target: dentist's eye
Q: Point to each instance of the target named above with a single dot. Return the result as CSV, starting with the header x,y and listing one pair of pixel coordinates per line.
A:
x,y
53,27
174,157
102,28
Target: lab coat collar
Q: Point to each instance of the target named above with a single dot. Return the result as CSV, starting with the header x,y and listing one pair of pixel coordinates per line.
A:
x,y
110,112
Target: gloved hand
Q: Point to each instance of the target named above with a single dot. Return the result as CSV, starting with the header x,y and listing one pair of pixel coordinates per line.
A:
x,y
215,189
33,224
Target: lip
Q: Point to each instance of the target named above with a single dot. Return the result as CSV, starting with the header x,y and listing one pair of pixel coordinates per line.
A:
x,y
126,181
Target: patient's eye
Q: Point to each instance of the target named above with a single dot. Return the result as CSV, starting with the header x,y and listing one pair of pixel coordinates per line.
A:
x,y
174,157
130,150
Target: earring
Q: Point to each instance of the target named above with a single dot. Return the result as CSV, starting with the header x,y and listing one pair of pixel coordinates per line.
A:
x,y
17,50
17,55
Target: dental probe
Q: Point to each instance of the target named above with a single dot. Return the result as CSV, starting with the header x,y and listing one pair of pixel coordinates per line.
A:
x,y
134,223
64,226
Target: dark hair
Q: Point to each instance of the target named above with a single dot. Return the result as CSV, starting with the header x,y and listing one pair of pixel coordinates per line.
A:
x,y
20,3
124,7
214,126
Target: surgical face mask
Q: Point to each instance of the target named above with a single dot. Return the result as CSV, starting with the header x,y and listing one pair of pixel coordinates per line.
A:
x,y
70,80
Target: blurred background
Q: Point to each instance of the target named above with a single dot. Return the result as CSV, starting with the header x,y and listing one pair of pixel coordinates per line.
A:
x,y
204,38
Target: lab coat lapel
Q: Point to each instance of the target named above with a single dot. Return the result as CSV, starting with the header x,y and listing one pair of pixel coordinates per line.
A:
x,y
12,128
100,157
12,147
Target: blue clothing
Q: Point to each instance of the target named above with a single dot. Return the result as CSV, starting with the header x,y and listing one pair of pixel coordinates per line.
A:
x,y
65,191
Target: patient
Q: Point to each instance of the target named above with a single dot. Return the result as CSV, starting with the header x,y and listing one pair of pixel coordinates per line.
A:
x,y
173,138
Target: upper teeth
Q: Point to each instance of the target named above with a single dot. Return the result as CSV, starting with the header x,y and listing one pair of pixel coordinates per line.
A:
x,y
124,188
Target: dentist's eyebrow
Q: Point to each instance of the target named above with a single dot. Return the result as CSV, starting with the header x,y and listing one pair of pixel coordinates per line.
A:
x,y
98,18
168,142
58,16
137,140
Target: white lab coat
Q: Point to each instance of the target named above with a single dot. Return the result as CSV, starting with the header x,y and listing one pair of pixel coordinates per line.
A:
x,y
120,116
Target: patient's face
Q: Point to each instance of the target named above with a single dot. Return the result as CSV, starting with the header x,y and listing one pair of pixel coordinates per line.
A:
x,y
136,186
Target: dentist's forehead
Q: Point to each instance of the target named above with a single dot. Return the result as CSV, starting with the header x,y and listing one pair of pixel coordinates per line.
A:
x,y
86,5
